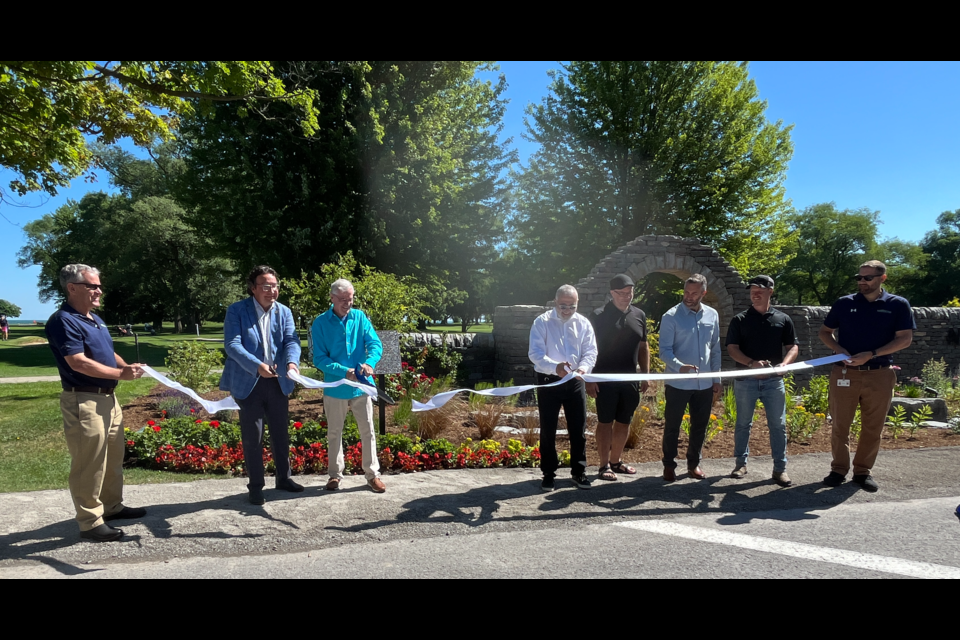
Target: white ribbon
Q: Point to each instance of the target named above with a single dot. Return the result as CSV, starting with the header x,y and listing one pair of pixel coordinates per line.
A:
x,y
210,406
441,399
310,383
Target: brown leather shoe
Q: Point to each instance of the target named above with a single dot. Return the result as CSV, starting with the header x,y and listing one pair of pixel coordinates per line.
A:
x,y
333,484
697,473
377,485
669,475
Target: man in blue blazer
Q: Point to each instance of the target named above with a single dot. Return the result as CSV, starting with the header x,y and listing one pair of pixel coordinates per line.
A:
x,y
262,345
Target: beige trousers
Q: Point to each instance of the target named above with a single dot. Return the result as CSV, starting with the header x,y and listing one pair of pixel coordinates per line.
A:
x,y
872,391
336,411
93,427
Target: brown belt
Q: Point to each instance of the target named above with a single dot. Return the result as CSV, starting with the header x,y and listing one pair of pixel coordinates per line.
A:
x,y
101,390
863,367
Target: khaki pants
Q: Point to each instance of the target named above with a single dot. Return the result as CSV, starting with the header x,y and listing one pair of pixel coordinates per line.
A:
x,y
92,425
336,411
872,391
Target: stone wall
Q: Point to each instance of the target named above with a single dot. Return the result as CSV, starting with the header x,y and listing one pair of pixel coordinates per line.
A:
x,y
511,336
931,340
477,349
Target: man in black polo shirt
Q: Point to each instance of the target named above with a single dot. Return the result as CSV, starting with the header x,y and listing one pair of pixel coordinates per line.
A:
x,y
92,420
869,326
756,339
621,330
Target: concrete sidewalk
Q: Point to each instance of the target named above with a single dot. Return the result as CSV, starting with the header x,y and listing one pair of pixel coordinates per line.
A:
x,y
30,379
212,518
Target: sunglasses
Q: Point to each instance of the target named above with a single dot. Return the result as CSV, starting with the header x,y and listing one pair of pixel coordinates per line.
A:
x,y
91,287
567,307
867,278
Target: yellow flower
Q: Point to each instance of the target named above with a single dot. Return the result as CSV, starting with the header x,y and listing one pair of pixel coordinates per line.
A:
x,y
686,416
713,417
645,408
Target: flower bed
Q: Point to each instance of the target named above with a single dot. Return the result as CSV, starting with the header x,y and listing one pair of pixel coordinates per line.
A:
x,y
210,446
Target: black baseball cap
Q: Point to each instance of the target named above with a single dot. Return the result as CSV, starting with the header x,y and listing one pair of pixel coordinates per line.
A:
x,y
620,281
765,282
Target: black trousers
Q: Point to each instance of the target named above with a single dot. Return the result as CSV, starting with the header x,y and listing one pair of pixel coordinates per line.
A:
x,y
572,397
700,401
266,401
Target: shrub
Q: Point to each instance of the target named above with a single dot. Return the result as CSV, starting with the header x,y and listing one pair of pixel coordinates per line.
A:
x,y
487,418
816,397
934,376
529,426
191,363
637,424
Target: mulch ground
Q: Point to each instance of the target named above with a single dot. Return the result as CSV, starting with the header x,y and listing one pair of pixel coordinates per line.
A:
x,y
309,406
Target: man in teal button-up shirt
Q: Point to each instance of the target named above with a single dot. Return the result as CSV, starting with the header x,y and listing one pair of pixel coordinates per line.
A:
x,y
689,343
343,338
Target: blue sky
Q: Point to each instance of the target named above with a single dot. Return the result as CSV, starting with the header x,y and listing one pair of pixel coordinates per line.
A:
x,y
880,135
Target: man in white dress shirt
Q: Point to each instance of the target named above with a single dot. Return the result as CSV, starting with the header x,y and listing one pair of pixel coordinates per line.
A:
x,y
561,341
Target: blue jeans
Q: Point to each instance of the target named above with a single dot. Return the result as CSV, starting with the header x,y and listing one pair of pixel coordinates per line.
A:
x,y
770,392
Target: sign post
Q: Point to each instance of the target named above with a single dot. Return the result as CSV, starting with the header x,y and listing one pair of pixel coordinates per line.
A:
x,y
389,363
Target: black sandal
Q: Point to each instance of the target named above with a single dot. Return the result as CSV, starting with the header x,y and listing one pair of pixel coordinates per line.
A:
x,y
619,467
607,474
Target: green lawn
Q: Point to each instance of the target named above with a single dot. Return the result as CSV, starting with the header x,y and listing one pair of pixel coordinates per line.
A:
x,y
33,453
486,327
19,359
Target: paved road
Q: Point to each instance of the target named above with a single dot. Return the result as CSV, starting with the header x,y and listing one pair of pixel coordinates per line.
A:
x,y
496,523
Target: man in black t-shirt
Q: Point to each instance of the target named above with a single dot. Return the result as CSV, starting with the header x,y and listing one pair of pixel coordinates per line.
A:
x,y
756,339
621,330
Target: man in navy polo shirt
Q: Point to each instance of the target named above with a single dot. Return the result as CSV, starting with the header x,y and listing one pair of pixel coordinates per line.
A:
x,y
869,326
92,420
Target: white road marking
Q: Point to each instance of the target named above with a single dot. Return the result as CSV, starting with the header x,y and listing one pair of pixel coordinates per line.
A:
x,y
855,559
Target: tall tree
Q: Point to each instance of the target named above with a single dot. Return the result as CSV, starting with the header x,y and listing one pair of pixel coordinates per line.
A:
x,y
631,148
9,309
155,267
404,171
938,284
828,246
48,107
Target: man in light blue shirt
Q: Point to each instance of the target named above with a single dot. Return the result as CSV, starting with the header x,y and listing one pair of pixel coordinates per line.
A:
x,y
343,339
689,343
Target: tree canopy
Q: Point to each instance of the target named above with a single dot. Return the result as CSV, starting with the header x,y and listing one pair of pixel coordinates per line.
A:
x,y
403,171
828,247
634,147
48,107
9,309
153,264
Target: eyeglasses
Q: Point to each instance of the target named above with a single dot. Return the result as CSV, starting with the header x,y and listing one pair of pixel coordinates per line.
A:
x,y
268,287
567,307
91,287
867,278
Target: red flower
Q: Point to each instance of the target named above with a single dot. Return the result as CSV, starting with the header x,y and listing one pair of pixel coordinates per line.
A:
x,y
215,423
156,428
192,411
197,421
130,443
297,425
150,423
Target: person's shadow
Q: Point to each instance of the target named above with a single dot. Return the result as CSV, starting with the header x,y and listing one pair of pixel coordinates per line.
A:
x,y
638,498
33,545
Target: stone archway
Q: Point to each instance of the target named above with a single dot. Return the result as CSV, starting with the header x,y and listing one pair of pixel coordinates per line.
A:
x,y
681,257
